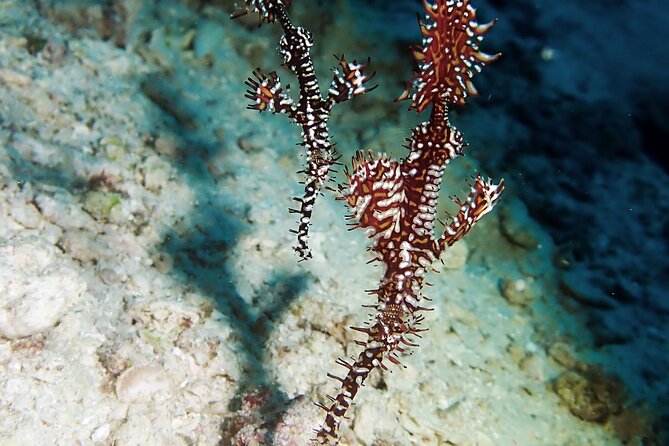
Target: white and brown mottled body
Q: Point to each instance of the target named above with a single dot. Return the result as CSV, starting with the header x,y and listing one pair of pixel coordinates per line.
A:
x,y
311,112
395,201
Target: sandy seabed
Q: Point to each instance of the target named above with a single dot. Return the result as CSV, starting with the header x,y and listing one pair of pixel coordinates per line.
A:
x,y
149,294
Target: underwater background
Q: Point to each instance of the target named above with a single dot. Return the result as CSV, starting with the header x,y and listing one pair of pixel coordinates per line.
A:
x,y
149,294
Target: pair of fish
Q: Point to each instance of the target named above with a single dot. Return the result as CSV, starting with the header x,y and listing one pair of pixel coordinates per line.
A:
x,y
393,200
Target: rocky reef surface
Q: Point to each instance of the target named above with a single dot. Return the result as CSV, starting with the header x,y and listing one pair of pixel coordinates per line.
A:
x,y
149,293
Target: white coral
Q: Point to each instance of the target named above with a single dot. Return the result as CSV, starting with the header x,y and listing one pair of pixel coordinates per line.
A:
x,y
38,285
